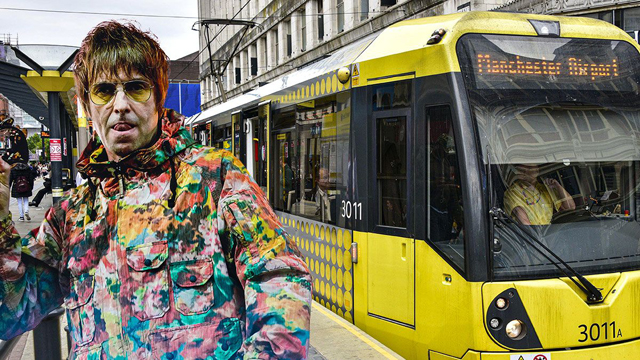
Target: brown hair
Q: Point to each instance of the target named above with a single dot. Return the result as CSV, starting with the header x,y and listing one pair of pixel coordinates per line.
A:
x,y
111,47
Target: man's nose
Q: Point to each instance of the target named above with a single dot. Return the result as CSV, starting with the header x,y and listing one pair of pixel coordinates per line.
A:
x,y
121,102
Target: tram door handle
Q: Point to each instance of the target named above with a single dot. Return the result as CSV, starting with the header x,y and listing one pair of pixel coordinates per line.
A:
x,y
404,251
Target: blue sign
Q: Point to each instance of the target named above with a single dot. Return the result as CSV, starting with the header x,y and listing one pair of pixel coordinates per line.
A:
x,y
183,98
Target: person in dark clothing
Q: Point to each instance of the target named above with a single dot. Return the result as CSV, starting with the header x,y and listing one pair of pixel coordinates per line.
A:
x,y
46,189
21,183
34,170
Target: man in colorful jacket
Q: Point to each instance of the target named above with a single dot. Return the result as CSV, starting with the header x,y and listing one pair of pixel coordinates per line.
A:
x,y
169,250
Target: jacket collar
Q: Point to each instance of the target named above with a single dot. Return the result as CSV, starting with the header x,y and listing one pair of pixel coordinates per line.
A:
x,y
173,139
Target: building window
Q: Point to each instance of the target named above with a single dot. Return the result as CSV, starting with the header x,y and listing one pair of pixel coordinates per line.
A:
x,y
264,55
303,28
277,45
632,19
287,28
254,66
364,9
340,8
602,15
320,21
388,3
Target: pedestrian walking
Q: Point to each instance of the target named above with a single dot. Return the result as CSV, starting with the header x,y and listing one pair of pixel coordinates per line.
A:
x,y
21,183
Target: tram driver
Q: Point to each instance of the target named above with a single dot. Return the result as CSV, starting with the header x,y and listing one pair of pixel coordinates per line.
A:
x,y
533,202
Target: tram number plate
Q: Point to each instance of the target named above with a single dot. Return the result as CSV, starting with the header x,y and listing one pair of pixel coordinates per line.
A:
x,y
596,332
349,209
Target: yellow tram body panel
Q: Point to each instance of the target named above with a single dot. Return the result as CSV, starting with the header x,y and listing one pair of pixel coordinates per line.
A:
x,y
442,296
450,311
562,318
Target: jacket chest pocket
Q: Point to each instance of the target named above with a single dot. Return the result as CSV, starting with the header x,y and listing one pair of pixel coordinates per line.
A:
x,y
148,283
80,310
192,286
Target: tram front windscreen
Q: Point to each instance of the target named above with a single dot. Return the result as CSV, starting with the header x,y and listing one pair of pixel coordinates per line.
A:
x,y
559,125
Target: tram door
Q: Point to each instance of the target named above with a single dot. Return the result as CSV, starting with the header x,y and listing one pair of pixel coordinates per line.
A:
x,y
261,129
238,139
252,145
390,249
284,187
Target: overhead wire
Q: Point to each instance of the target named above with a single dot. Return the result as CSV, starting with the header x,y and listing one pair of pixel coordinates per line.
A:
x,y
210,41
295,14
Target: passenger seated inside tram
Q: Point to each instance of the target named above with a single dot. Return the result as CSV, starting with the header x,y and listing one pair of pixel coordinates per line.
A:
x,y
532,201
323,200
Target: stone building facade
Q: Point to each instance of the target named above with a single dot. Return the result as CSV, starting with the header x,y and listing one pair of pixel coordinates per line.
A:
x,y
293,33
623,13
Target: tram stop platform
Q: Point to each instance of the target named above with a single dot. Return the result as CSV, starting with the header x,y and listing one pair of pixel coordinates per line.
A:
x,y
333,338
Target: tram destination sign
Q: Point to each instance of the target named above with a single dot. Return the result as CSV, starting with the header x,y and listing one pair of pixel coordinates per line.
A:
x,y
572,67
524,62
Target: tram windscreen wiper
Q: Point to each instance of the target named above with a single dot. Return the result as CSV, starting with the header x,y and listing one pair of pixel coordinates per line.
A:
x,y
593,294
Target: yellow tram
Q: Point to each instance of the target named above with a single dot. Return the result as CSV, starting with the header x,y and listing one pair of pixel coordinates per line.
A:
x,y
462,186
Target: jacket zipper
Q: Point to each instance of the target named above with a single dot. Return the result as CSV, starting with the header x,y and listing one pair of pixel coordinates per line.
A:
x,y
117,246
120,176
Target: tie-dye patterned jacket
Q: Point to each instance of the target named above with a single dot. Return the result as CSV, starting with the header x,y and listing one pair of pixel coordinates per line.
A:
x,y
172,253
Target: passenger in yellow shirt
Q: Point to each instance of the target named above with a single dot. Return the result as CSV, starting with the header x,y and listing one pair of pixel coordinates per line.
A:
x,y
532,202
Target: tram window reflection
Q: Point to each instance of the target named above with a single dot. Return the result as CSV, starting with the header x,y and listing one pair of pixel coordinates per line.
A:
x,y
446,220
285,156
321,140
392,95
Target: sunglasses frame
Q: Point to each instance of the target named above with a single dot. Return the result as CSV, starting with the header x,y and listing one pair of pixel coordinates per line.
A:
x,y
90,91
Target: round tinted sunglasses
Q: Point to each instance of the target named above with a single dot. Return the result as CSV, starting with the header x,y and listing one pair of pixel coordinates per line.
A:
x,y
136,90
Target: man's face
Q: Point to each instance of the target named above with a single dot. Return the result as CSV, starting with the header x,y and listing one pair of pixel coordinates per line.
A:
x,y
124,125
323,180
528,173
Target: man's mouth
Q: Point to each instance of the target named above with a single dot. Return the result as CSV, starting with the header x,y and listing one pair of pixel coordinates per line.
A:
x,y
122,127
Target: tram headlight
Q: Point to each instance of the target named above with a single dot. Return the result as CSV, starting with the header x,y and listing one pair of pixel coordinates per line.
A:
x,y
515,329
502,303
494,323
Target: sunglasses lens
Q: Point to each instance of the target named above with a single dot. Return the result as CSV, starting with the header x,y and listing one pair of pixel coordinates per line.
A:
x,y
138,90
102,93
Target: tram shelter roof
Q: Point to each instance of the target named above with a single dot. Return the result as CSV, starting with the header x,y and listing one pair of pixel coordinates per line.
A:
x,y
40,58
16,90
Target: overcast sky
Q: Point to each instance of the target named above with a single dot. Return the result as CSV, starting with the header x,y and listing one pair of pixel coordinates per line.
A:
x,y
56,28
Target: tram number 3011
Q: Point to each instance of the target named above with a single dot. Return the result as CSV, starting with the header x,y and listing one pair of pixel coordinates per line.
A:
x,y
349,209
596,331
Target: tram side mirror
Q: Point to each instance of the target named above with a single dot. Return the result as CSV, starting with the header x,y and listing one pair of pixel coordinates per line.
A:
x,y
13,143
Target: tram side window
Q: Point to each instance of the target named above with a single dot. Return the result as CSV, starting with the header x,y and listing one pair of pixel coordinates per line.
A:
x,y
391,147
322,127
444,197
391,95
